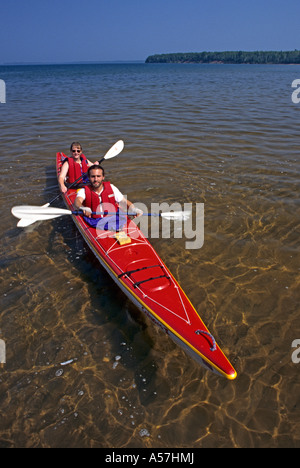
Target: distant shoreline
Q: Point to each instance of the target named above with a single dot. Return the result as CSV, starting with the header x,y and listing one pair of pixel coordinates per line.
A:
x,y
230,57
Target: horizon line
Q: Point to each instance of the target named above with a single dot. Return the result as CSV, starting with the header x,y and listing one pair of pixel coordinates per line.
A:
x,y
80,62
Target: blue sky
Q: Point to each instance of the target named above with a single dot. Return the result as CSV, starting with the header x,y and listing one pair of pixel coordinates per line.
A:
x,y
113,30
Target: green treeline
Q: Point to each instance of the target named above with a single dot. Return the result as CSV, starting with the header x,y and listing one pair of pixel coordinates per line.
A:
x,y
258,57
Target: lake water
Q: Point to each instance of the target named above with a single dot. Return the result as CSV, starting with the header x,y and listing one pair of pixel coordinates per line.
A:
x,y
83,367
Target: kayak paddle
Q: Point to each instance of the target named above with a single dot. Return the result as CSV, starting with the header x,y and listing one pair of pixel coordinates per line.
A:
x,y
29,214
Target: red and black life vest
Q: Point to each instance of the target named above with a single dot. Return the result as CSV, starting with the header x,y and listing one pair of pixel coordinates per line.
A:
x,y
106,198
76,170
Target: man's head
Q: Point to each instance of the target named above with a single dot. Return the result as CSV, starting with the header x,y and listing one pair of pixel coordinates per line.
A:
x,y
96,176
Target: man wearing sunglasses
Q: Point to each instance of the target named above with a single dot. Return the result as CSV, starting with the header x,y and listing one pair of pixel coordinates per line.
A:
x,y
73,167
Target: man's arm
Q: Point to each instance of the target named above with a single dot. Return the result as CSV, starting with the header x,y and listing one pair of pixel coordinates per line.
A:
x,y
62,177
128,206
78,206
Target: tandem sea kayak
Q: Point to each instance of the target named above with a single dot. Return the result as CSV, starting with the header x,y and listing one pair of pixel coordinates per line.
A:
x,y
134,265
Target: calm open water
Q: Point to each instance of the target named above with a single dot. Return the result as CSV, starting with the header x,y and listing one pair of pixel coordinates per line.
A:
x,y
223,135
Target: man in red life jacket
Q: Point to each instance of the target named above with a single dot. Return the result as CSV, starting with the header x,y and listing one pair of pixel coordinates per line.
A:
x,y
101,197
73,167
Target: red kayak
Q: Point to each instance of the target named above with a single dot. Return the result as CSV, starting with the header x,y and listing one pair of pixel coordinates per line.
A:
x,y
134,265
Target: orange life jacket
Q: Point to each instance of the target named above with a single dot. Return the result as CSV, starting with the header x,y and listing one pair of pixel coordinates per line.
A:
x,y
76,170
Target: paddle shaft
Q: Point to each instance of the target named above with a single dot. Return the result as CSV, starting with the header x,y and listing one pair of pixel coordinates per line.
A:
x,y
180,215
80,213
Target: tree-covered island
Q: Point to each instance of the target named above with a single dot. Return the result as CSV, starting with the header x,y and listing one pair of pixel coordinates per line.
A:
x,y
238,57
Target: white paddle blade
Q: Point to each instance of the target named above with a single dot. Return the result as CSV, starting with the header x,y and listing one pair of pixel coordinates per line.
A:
x,y
36,213
176,215
26,222
115,150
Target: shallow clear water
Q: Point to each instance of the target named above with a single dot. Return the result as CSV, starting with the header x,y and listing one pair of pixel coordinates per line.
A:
x,y
225,136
